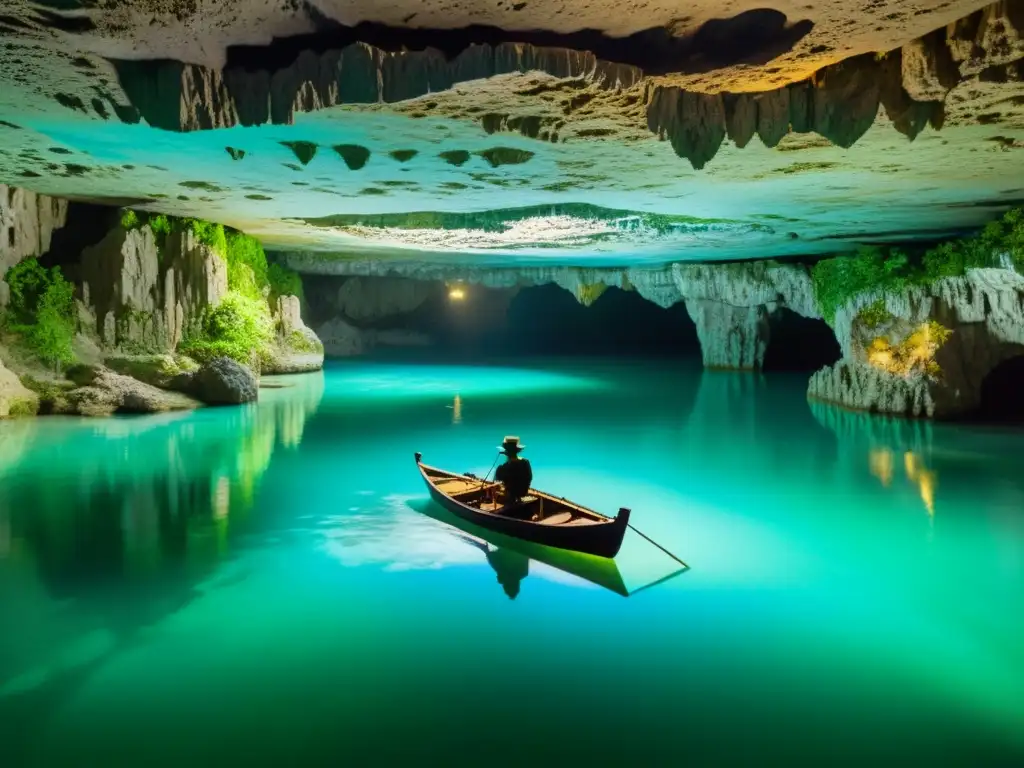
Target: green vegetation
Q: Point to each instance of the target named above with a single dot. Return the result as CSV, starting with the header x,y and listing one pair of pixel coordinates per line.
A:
x,y
297,340
239,327
838,280
41,311
284,282
874,314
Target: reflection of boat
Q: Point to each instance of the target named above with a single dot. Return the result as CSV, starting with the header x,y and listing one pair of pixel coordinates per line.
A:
x,y
509,557
539,517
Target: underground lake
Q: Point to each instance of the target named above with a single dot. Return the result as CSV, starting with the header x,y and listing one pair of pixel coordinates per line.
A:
x,y
271,581
451,382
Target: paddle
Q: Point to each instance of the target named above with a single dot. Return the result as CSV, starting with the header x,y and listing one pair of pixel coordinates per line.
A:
x,y
630,525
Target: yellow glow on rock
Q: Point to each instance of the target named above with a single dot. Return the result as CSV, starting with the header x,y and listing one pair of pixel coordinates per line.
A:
x,y
456,294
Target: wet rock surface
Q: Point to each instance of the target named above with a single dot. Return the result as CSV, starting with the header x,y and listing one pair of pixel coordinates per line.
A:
x,y
984,313
221,381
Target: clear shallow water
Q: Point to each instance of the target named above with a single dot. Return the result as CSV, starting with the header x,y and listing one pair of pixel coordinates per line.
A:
x,y
261,585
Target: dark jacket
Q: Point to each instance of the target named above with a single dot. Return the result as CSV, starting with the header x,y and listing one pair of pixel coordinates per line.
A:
x,y
516,475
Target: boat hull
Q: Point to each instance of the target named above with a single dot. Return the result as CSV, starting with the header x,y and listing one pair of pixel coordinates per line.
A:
x,y
601,539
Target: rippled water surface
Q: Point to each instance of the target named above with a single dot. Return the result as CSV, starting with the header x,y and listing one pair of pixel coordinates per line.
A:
x,y
270,586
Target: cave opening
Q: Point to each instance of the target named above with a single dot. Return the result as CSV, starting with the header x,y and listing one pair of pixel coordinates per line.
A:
x,y
800,344
86,225
1002,393
548,320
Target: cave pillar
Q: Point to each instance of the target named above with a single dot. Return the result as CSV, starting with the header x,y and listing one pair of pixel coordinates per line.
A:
x,y
731,337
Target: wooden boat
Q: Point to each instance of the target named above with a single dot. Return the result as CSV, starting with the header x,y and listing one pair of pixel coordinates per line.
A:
x,y
539,517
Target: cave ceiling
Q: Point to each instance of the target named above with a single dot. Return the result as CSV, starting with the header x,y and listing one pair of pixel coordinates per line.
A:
x,y
516,132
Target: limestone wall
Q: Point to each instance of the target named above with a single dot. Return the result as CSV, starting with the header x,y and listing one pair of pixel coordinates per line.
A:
x,y
731,303
27,223
984,313
142,297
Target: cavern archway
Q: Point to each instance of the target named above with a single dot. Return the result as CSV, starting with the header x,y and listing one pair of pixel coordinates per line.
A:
x,y
548,320
799,344
1001,393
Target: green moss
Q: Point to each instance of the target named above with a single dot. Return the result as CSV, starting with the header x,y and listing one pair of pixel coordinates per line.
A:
x,y
837,280
301,343
23,406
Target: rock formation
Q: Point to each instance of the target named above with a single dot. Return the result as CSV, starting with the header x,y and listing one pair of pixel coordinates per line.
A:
x,y
839,102
15,398
896,361
101,392
147,297
296,348
27,223
140,292
221,381
731,303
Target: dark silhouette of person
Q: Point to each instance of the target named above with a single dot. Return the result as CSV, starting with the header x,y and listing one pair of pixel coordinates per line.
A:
x,y
516,474
511,568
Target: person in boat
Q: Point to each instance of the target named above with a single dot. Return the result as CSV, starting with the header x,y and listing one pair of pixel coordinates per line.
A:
x,y
516,474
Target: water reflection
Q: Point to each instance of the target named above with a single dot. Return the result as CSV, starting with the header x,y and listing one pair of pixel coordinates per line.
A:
x,y
413,533
118,533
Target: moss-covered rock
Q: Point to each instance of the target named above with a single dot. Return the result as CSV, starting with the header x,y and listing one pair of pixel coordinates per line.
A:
x,y
157,370
15,398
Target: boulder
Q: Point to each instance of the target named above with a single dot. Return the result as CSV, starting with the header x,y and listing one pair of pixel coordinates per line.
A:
x,y
221,381
15,398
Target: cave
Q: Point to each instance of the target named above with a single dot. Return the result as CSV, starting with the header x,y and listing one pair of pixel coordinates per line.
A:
x,y
548,320
799,344
1002,393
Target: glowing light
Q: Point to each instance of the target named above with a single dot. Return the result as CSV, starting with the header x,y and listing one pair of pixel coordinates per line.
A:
x,y
923,477
880,463
456,294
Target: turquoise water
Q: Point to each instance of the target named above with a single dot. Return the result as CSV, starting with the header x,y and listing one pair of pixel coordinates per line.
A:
x,y
268,585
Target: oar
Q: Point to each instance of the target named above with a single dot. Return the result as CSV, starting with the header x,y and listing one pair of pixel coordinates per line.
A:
x,y
630,525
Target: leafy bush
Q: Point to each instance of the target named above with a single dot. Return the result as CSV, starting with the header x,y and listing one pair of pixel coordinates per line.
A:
x,y
239,327
284,282
130,219
41,311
